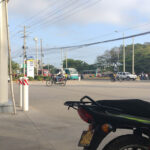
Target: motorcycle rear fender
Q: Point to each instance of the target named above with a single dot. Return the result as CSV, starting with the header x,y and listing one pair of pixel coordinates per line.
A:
x,y
99,135
140,131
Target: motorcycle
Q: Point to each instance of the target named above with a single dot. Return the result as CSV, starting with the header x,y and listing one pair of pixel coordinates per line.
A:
x,y
53,81
106,116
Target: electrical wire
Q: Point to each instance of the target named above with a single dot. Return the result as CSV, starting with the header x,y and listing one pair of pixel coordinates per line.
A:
x,y
34,16
78,9
68,12
40,14
73,47
54,13
101,42
36,21
94,38
90,44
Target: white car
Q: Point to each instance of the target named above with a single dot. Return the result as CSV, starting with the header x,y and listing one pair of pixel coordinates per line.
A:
x,y
126,75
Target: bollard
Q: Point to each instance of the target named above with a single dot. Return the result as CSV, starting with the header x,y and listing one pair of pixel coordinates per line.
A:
x,y
20,84
26,94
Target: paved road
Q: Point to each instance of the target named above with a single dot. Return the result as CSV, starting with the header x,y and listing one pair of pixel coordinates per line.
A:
x,y
49,125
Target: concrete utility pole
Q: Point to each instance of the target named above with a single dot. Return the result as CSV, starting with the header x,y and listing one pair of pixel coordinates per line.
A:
x,y
36,44
133,72
5,105
41,57
10,64
124,61
62,58
24,51
24,48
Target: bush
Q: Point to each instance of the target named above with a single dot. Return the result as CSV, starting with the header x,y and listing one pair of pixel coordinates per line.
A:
x,y
30,78
21,75
39,78
47,78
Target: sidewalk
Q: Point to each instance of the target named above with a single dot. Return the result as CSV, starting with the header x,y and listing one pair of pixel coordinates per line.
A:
x,y
19,132
44,126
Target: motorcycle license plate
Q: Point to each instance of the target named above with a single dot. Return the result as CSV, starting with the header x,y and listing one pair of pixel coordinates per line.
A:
x,y
86,138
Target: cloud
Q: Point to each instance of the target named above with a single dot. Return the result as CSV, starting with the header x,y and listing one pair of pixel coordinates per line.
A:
x,y
116,12
26,8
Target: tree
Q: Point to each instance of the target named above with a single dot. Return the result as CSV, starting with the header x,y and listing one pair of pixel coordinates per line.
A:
x,y
79,65
15,67
142,58
108,60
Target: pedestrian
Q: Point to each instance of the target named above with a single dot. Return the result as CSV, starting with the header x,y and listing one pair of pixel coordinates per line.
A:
x,y
146,76
142,76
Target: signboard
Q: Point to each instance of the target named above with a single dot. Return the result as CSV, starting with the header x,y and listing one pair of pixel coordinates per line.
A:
x,y
30,68
30,58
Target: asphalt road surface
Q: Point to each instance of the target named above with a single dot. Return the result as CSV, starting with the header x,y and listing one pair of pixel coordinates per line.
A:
x,y
49,125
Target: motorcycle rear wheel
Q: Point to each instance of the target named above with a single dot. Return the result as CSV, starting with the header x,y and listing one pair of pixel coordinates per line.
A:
x,y
128,142
49,82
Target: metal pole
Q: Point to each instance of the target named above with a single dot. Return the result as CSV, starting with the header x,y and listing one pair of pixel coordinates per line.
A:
x,y
37,56
41,57
133,72
66,60
36,45
118,59
24,56
124,67
62,58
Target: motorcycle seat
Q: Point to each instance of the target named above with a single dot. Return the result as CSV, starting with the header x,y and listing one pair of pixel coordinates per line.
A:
x,y
134,107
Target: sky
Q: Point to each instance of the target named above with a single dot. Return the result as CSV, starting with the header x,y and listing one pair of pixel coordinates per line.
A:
x,y
74,22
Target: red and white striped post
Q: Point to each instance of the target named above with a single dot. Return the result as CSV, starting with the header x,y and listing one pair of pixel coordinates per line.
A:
x,y
20,83
26,94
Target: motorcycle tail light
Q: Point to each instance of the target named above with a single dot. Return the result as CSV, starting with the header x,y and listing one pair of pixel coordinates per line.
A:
x,y
84,115
106,128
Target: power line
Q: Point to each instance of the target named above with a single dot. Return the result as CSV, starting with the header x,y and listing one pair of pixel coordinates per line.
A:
x,y
112,33
100,42
69,12
79,9
37,14
49,12
36,21
54,13
74,47
54,21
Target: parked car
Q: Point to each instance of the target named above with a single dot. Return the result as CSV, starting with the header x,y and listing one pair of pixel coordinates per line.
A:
x,y
126,76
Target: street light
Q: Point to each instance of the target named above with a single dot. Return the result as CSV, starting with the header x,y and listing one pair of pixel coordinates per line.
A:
x,y
36,44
